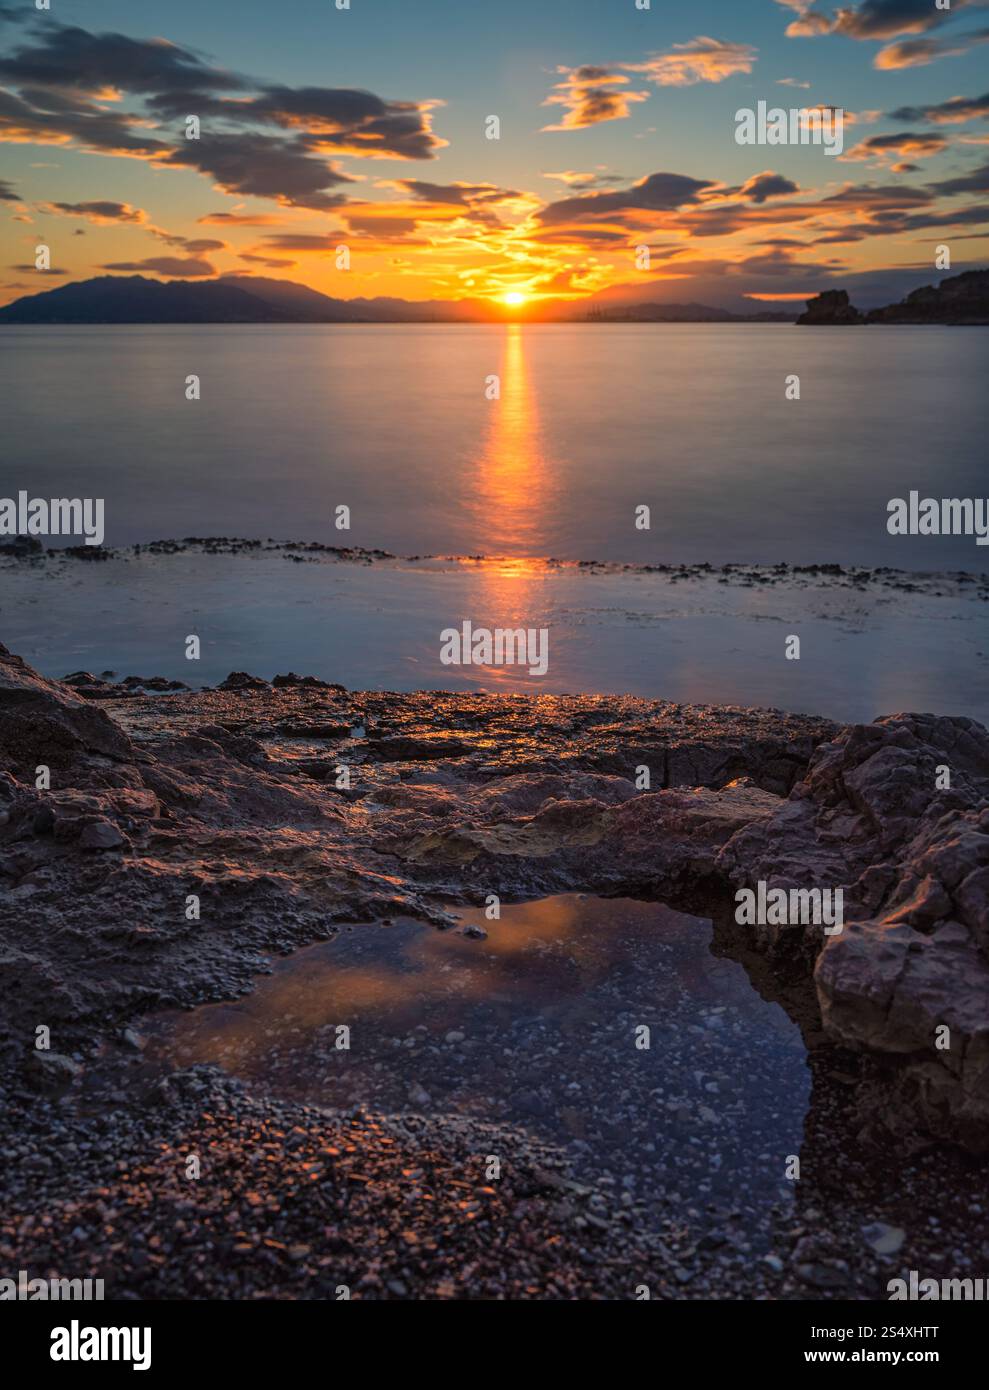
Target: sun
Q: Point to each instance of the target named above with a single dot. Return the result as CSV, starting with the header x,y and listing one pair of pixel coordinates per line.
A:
x,y
514,298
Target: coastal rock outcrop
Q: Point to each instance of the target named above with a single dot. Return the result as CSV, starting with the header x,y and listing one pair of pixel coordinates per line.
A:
x,y
831,307
896,815
43,722
961,299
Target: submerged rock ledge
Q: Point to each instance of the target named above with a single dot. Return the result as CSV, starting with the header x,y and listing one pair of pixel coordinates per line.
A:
x,y
231,795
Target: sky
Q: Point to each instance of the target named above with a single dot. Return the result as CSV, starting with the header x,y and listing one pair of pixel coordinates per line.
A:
x,y
349,149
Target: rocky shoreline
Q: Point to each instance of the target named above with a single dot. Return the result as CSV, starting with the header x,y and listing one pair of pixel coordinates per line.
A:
x,y
959,301
231,796
29,554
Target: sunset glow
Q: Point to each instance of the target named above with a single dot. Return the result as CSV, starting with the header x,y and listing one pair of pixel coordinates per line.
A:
x,y
607,170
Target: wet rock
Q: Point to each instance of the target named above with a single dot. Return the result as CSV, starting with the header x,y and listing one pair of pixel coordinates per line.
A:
x,y
42,722
884,1239
153,683
907,978
21,547
291,679
51,1073
101,834
241,680
404,749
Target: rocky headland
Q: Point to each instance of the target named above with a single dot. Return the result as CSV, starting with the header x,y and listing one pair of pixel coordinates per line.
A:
x,y
959,300
232,796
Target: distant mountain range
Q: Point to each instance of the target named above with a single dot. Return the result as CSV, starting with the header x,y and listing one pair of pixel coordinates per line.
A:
x,y
258,299
676,313
234,299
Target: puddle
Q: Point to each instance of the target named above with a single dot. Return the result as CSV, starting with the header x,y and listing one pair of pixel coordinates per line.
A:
x,y
537,1025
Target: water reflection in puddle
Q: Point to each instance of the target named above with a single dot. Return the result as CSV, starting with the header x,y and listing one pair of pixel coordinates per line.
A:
x,y
538,1024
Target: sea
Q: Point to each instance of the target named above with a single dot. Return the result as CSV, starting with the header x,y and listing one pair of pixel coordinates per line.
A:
x,y
543,476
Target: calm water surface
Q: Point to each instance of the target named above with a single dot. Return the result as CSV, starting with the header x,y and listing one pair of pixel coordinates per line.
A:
x,y
607,1027
593,420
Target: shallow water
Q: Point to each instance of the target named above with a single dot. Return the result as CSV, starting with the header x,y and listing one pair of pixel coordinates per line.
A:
x,y
537,1025
864,652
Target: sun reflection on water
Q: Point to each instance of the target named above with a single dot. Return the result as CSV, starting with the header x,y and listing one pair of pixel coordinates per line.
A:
x,y
513,492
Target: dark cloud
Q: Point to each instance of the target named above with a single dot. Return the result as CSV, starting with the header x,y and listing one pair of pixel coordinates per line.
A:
x,y
877,198
383,228
882,19
575,178
908,145
906,142
453,193
977,215
64,56
873,19
7,194
267,166
65,76
200,246
191,246
839,238
917,53
241,219
655,193
171,267
345,119
593,236
333,119
271,262
97,211
976,181
729,218
768,185
952,112
864,209
55,119
336,108
457,194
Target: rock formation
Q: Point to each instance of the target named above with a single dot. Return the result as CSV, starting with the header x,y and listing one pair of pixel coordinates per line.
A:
x,y
907,979
231,795
830,307
962,299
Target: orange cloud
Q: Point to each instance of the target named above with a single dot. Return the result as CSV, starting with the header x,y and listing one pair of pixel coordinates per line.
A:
x,y
888,148
700,60
589,95
916,53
